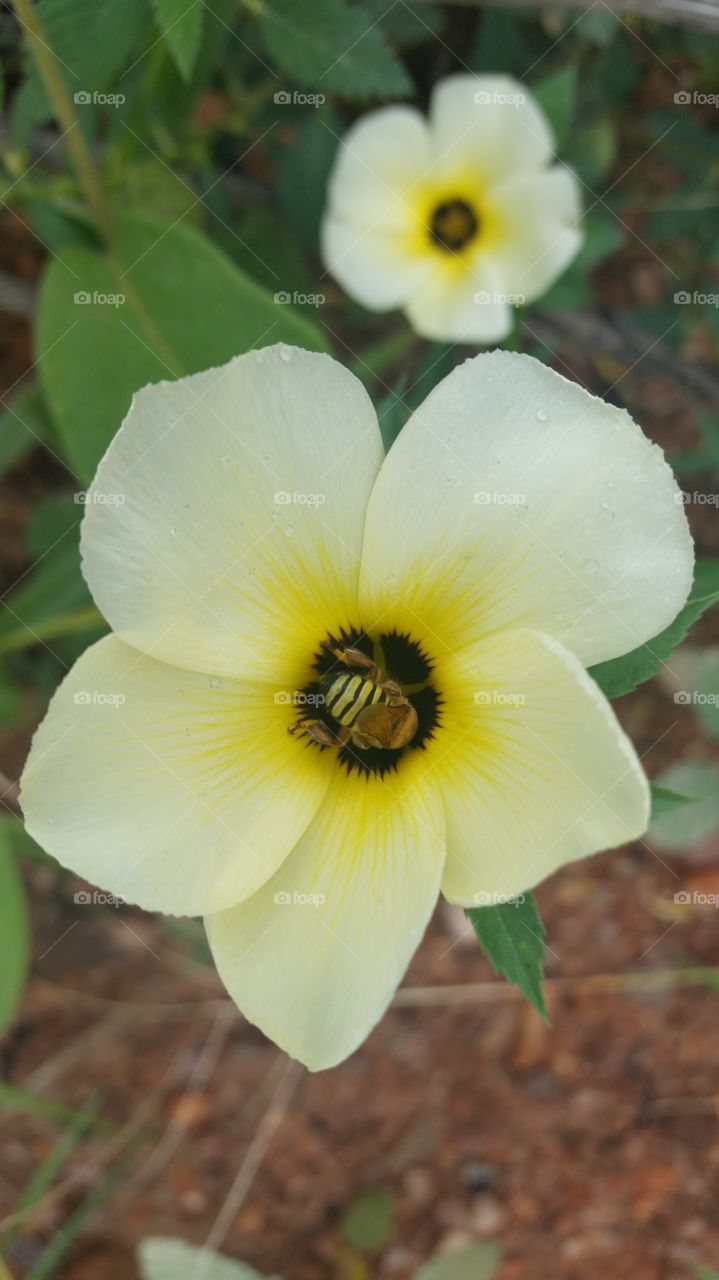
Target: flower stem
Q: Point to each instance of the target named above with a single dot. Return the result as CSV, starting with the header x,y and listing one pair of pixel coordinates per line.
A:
x,y
64,108
63,624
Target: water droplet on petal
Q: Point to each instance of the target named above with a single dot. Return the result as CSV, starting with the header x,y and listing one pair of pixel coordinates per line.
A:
x,y
285,353
214,683
542,415
591,566
226,460
173,533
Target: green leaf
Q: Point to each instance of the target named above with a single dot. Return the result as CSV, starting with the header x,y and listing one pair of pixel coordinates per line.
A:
x,y
511,936
681,828
181,25
591,150
92,39
303,163
664,800
621,675
368,1221
479,1263
23,424
14,933
338,50
164,1258
706,691
557,96
177,305
48,1169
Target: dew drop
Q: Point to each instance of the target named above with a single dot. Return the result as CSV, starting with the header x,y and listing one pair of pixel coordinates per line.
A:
x,y
285,353
289,530
591,566
542,415
214,683
173,532
605,506
226,460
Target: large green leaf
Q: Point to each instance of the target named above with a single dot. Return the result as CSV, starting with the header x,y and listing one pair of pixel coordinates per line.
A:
x,y
14,935
163,1258
181,25
511,936
92,40
334,47
23,424
179,306
622,675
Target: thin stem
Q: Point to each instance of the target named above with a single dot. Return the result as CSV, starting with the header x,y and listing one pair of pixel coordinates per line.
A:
x,y
66,115
62,624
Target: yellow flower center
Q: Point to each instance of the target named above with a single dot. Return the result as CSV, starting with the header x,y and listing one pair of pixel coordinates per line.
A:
x,y
369,699
454,223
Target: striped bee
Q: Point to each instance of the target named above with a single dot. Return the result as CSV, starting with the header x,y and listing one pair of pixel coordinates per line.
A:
x,y
370,711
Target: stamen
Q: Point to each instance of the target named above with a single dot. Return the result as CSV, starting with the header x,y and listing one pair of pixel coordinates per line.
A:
x,y
454,223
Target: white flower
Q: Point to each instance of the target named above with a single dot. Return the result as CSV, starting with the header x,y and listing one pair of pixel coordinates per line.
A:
x,y
518,531
456,218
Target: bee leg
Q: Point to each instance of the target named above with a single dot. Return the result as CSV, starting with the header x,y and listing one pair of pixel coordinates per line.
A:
x,y
394,693
318,732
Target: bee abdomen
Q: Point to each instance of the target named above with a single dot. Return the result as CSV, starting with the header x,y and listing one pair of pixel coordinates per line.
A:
x,y
348,694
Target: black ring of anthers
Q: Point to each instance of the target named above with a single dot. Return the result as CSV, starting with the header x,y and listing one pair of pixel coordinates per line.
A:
x,y
402,660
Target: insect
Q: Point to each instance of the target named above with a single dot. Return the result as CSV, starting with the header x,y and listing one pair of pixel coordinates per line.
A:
x,y
369,710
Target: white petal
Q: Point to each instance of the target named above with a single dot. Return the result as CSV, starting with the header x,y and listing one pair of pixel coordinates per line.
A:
x,y
380,160
524,501
540,771
490,125
315,956
462,300
536,217
371,240
223,526
377,267
165,787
